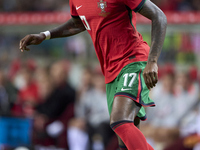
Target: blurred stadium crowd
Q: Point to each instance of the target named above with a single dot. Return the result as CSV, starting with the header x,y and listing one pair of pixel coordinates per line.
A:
x,y
78,118
44,95
64,101
62,5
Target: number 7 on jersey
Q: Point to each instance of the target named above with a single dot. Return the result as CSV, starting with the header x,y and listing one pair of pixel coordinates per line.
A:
x,y
85,23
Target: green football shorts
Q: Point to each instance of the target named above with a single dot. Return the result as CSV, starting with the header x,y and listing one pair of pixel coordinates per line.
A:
x,y
130,83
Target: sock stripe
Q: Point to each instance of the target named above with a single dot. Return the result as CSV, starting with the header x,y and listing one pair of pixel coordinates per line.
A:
x,y
119,123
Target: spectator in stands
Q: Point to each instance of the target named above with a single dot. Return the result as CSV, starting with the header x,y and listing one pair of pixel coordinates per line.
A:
x,y
28,96
189,132
92,118
189,123
179,96
192,127
85,84
43,80
4,103
77,135
52,115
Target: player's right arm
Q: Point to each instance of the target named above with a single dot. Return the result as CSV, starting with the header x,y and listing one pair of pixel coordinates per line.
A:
x,y
71,27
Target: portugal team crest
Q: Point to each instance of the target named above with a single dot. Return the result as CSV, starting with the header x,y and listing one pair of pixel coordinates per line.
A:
x,y
102,5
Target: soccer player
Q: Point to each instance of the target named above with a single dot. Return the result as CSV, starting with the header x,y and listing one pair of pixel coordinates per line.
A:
x,y
128,63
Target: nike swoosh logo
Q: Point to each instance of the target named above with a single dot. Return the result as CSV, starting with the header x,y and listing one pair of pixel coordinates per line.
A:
x,y
122,89
77,8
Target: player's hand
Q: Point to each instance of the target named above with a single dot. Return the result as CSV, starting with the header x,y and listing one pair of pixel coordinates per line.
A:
x,y
31,39
150,74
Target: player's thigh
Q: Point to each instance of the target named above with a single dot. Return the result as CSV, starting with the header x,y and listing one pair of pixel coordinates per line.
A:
x,y
123,109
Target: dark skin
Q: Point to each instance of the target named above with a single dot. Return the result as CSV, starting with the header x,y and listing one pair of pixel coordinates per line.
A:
x,y
159,24
71,27
123,108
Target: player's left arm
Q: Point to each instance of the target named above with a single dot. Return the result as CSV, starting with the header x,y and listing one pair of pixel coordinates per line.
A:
x,y
159,25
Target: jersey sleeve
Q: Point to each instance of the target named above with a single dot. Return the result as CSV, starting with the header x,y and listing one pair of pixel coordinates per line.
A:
x,y
73,9
134,5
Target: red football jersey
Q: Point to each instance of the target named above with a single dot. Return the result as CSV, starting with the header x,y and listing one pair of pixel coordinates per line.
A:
x,y
112,27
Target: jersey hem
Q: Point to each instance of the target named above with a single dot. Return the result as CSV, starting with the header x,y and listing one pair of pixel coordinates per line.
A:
x,y
112,78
